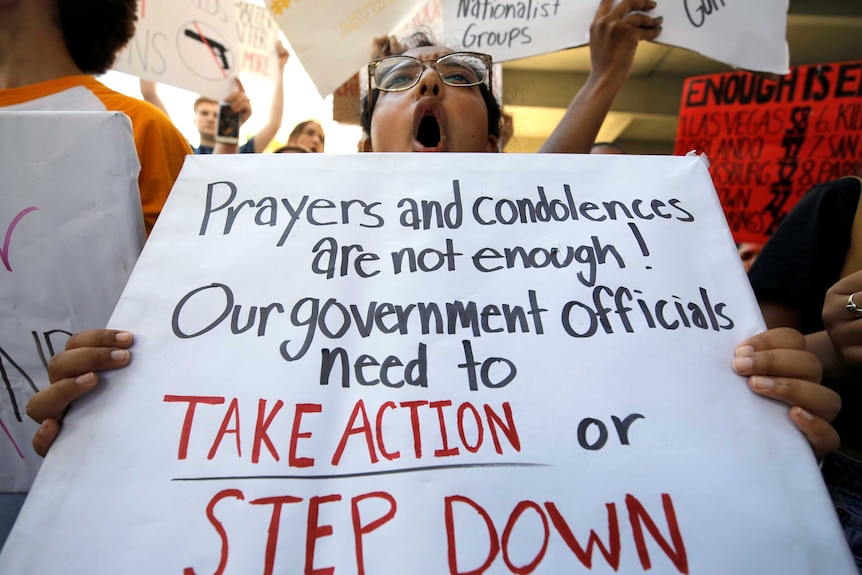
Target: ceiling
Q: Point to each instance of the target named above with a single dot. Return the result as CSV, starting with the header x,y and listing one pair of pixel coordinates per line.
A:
x,y
643,119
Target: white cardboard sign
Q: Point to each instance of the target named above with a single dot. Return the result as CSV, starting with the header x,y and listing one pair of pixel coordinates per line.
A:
x,y
748,35
192,45
332,38
70,232
258,34
413,363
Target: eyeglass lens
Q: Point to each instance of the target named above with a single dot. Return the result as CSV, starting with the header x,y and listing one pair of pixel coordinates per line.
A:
x,y
402,72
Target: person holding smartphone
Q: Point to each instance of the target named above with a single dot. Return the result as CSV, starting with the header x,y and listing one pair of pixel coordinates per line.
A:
x,y
218,122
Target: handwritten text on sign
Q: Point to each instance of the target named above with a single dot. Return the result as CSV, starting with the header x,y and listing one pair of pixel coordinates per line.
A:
x,y
455,371
258,34
749,35
771,141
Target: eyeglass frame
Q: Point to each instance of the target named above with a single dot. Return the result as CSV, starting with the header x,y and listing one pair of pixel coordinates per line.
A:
x,y
486,58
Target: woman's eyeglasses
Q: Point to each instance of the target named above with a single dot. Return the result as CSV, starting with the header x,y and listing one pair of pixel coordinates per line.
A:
x,y
397,73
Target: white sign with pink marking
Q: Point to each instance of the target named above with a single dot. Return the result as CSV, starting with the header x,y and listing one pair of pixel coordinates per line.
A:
x,y
71,229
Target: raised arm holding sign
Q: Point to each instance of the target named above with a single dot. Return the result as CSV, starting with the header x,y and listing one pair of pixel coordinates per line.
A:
x,y
615,33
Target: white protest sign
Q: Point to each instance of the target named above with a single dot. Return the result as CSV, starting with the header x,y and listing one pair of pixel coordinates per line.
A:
x,y
191,45
414,363
258,35
428,16
333,37
70,231
512,30
748,35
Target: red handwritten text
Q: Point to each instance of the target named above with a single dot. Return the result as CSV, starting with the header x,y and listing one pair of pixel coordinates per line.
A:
x,y
451,429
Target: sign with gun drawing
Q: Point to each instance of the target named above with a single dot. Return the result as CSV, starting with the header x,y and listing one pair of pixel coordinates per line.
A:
x,y
192,45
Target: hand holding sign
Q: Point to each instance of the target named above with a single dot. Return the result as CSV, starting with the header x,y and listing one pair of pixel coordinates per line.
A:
x,y
615,34
73,373
779,367
282,53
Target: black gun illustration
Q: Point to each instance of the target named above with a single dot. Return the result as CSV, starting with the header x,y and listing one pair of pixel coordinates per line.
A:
x,y
216,47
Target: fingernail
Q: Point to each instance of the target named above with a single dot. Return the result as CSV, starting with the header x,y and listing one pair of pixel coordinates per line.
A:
x,y
86,378
742,364
119,354
804,413
651,4
743,351
762,383
43,428
123,337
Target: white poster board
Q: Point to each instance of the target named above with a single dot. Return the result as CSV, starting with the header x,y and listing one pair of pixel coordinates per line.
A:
x,y
192,45
747,35
332,38
487,418
257,33
70,232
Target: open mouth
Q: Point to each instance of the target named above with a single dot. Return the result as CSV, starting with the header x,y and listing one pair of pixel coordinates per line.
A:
x,y
428,133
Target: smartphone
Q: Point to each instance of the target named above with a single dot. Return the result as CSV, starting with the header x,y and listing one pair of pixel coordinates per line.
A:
x,y
227,127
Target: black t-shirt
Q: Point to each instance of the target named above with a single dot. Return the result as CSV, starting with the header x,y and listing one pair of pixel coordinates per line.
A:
x,y
804,256
801,261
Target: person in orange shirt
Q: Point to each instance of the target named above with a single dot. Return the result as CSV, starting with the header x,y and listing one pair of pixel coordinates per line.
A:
x,y
48,51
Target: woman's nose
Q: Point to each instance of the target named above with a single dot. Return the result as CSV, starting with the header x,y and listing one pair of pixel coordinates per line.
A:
x,y
430,83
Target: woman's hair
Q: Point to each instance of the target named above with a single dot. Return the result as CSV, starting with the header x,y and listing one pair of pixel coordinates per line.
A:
x,y
202,100
95,30
291,148
297,130
424,39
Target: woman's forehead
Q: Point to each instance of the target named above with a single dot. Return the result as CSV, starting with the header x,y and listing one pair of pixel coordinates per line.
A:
x,y
428,52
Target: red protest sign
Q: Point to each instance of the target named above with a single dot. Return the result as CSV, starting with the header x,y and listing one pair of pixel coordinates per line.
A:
x,y
769,141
